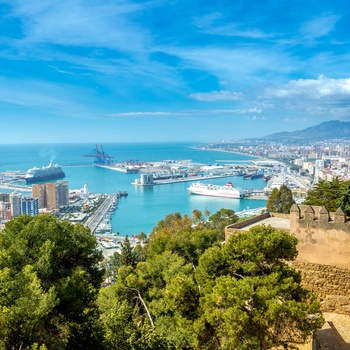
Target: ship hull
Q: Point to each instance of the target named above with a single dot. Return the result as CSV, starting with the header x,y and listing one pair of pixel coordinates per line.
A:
x,y
45,177
217,194
227,191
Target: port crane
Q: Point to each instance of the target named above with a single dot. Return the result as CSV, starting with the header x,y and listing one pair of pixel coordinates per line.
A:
x,y
101,157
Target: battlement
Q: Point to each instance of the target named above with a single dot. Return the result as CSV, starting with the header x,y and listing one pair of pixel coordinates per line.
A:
x,y
316,215
324,237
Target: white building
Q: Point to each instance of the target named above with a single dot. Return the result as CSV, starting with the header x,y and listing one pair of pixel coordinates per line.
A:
x,y
16,202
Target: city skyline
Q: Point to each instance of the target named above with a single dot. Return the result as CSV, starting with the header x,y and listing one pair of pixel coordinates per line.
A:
x,y
123,71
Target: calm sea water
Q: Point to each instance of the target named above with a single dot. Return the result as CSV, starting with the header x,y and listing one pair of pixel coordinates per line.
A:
x,y
144,206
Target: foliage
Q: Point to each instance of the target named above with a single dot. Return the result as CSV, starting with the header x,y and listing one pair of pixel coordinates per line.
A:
x,y
161,291
189,292
221,219
142,236
280,200
193,293
330,194
344,197
325,193
171,224
52,280
127,256
251,297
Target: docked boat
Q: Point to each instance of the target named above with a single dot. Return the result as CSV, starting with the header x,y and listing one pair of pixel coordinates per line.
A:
x,y
50,172
254,175
226,191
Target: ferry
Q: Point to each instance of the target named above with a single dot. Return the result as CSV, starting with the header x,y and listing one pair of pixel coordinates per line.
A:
x,y
226,191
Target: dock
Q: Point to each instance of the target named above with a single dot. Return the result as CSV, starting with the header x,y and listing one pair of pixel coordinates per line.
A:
x,y
95,219
147,181
6,186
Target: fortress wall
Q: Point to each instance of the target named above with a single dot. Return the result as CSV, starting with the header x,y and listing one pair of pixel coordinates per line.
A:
x,y
323,253
331,284
280,215
324,238
239,225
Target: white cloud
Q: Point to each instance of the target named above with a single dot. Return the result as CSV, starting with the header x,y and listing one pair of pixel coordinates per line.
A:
x,y
319,27
150,114
80,23
312,89
255,118
61,71
222,95
189,113
236,65
313,96
214,24
50,98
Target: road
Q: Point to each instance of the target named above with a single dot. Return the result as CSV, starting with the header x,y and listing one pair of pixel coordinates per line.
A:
x,y
95,219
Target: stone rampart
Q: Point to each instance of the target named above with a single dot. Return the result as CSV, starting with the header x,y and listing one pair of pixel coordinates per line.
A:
x,y
280,215
324,238
229,230
323,253
331,284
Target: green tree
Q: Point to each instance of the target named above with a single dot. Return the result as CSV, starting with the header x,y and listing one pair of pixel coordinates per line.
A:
x,y
280,200
192,292
221,219
127,256
325,193
171,224
250,296
162,291
142,237
24,309
344,197
273,203
57,263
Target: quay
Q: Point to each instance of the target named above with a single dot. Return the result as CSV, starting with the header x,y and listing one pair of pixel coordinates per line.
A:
x,y
147,180
96,218
9,178
5,186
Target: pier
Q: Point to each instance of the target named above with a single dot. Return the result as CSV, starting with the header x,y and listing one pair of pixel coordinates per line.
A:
x,y
6,186
94,220
9,180
146,180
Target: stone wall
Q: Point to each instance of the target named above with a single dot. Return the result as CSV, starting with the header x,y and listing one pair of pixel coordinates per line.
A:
x,y
324,238
280,215
331,284
323,253
239,225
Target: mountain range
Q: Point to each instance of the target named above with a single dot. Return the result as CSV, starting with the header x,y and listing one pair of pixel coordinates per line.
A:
x,y
331,130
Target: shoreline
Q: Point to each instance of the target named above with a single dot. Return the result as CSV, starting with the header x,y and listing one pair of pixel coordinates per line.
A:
x,y
225,151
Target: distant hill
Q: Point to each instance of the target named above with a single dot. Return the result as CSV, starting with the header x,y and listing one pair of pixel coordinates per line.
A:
x,y
325,131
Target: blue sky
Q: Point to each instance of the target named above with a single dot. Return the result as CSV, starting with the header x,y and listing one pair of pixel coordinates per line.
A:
x,y
123,71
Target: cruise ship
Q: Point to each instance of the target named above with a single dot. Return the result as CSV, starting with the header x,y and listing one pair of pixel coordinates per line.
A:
x,y
226,191
50,172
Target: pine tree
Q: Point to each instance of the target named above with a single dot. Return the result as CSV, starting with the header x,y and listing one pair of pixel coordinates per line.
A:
x,y
280,200
127,256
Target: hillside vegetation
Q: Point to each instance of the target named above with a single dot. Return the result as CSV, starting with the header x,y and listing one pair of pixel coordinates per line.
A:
x,y
183,289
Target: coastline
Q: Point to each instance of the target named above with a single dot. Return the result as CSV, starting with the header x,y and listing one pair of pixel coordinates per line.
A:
x,y
145,206
225,151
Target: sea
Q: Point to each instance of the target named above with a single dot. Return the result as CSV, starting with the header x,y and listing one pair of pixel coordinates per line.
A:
x,y
144,206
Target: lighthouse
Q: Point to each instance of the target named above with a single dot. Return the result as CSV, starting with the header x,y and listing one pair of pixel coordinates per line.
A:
x,y
86,190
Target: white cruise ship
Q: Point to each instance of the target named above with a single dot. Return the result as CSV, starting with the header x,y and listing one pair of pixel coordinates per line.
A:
x,y
50,172
226,191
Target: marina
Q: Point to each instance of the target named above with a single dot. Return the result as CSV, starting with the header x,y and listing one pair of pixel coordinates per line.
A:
x,y
99,221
